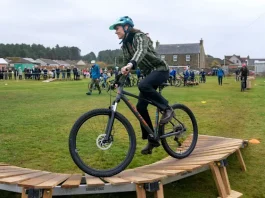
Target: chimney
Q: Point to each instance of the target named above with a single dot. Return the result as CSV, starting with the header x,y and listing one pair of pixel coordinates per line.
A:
x,y
201,42
157,44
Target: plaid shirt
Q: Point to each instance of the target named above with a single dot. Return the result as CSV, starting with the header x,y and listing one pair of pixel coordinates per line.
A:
x,y
138,49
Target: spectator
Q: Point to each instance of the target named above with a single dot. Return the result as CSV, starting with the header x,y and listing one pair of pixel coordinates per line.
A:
x,y
203,76
10,74
192,75
237,72
220,74
57,72
186,75
75,72
45,73
20,73
244,72
68,72
95,75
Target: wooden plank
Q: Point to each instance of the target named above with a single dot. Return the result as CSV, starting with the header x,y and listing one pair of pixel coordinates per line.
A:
x,y
15,173
136,177
10,170
116,180
30,183
225,145
93,181
214,153
140,191
53,182
241,160
190,163
160,192
163,172
226,182
216,137
144,173
19,178
186,168
213,150
3,164
218,180
7,167
73,181
171,167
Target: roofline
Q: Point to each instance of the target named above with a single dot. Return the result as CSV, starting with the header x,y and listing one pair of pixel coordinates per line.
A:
x,y
180,44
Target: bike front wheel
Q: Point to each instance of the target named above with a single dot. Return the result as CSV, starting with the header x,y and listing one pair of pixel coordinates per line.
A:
x,y
179,136
94,156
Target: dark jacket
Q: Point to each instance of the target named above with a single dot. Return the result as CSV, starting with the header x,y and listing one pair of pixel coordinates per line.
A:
x,y
138,50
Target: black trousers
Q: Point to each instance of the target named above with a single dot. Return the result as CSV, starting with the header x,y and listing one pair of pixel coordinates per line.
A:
x,y
147,88
220,80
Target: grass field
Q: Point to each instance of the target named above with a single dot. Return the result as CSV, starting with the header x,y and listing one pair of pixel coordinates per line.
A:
x,y
36,117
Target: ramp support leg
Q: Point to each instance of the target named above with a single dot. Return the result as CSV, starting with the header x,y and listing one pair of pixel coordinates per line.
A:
x,y
155,187
241,160
218,180
36,193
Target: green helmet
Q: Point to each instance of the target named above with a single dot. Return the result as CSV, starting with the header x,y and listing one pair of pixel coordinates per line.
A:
x,y
122,21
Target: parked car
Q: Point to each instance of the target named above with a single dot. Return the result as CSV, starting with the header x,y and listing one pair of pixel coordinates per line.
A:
x,y
251,72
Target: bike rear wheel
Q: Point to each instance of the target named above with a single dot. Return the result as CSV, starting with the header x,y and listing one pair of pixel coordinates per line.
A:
x,y
178,82
179,137
95,157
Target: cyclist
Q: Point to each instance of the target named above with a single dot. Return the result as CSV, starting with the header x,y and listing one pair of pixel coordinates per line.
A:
x,y
244,72
139,52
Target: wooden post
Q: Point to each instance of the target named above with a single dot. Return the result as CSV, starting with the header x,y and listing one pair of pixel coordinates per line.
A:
x,y
241,160
160,192
225,179
140,191
218,180
23,194
47,193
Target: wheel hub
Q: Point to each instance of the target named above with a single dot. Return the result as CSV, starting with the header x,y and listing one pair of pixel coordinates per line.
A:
x,y
101,144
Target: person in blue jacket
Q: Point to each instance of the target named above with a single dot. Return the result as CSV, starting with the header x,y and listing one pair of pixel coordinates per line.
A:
x,y
192,75
186,75
220,74
95,75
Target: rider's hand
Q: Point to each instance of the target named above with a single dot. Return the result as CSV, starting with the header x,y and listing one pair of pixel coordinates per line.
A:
x,y
126,69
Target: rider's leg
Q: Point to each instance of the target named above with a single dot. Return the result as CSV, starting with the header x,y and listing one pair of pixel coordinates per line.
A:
x,y
148,88
142,109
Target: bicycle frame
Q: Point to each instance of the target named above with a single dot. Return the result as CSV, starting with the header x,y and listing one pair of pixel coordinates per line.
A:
x,y
121,96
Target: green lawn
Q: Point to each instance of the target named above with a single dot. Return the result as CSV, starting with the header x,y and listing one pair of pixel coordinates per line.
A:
x,y
36,117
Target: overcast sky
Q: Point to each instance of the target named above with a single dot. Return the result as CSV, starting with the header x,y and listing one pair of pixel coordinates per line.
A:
x,y
226,26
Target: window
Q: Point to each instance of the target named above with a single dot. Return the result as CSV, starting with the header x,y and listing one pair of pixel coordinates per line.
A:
x,y
163,57
175,57
187,57
236,61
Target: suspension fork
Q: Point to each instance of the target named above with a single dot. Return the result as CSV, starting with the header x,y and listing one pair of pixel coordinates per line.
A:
x,y
110,122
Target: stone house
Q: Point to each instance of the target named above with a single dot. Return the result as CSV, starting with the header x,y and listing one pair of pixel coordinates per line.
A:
x,y
190,54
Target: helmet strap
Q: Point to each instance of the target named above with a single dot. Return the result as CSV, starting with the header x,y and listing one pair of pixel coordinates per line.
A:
x,y
126,33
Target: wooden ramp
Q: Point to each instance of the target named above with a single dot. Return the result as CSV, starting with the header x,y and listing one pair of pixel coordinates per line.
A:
x,y
211,152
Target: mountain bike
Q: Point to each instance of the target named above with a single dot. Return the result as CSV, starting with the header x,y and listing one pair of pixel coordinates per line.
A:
x,y
102,142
